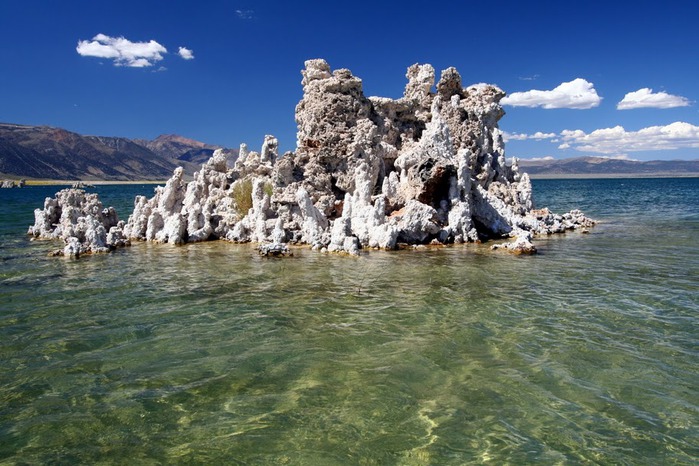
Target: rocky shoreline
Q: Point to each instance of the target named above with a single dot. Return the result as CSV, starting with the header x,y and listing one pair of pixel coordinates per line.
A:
x,y
367,173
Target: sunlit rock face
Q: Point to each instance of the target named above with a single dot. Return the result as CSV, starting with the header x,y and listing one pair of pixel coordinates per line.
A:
x,y
80,221
367,172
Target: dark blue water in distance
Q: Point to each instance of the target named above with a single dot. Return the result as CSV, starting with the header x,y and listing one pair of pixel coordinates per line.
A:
x,y
587,353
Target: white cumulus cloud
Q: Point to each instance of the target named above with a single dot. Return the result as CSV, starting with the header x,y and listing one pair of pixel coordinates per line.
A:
x,y
514,136
523,137
122,51
539,135
185,53
677,135
646,98
577,94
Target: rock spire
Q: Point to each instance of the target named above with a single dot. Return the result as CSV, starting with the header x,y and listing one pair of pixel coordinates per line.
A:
x,y
367,172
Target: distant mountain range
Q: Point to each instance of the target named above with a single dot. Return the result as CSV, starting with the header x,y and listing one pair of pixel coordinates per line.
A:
x,y
606,167
43,152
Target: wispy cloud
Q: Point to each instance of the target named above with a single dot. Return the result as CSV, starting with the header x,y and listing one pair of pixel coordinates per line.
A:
x,y
122,51
539,159
618,157
577,94
245,14
646,98
677,135
186,53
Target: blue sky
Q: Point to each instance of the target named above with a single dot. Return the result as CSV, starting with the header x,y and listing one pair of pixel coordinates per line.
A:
x,y
614,79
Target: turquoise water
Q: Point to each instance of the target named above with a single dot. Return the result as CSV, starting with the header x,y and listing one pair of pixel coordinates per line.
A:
x,y
208,354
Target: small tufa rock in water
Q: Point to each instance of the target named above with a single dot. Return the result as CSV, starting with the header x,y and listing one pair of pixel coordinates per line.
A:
x,y
522,244
81,185
80,221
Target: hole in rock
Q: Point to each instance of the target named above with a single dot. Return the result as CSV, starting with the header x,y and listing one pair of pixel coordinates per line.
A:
x,y
437,181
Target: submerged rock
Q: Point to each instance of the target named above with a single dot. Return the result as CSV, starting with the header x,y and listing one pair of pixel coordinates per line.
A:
x,y
80,220
522,244
274,250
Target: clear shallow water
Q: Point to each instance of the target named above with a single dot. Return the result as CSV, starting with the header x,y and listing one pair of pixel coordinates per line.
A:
x,y
207,354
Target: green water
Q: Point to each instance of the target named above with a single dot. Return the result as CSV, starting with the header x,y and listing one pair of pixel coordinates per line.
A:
x,y
207,354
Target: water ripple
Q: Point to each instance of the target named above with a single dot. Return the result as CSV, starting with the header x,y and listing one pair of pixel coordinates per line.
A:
x,y
210,354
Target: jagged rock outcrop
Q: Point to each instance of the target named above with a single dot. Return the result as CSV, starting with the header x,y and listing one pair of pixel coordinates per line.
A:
x,y
80,220
367,173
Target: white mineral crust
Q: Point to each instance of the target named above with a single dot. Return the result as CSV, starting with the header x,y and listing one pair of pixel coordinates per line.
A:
x,y
373,172
79,219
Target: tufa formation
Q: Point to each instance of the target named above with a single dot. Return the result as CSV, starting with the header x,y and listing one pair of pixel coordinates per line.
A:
x,y
368,172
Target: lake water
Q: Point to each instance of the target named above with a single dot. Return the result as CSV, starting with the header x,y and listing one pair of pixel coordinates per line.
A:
x,y
587,353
